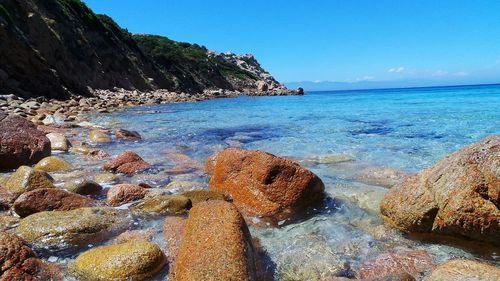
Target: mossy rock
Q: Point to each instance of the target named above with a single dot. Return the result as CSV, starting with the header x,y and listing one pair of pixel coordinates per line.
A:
x,y
201,195
134,260
83,187
26,179
163,204
106,178
63,230
52,164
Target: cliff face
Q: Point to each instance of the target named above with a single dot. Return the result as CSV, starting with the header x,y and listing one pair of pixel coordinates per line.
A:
x,y
55,48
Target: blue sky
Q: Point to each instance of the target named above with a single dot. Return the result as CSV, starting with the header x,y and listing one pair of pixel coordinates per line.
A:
x,y
329,40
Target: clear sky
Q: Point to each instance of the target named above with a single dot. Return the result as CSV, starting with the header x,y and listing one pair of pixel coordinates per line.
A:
x,y
454,41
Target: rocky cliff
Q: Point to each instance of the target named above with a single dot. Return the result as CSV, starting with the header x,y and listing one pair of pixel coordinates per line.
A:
x,y
59,48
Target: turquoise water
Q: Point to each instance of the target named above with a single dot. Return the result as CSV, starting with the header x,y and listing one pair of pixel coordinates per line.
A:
x,y
388,132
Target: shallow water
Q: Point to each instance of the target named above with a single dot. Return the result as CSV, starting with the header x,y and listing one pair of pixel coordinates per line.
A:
x,y
385,132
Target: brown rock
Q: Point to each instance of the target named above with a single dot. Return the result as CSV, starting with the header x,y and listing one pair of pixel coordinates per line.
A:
x,y
263,184
217,233
124,193
464,270
127,163
415,263
138,234
99,136
173,231
49,199
83,187
20,142
127,135
52,164
460,195
163,204
202,195
27,179
19,262
6,198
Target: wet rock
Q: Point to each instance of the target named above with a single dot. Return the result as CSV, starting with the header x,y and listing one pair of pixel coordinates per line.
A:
x,y
49,199
127,135
163,204
416,263
124,193
6,198
52,164
68,229
20,142
217,233
8,222
135,260
263,184
464,270
202,195
138,234
58,142
127,163
106,178
99,136
19,262
83,187
173,231
457,196
328,159
26,179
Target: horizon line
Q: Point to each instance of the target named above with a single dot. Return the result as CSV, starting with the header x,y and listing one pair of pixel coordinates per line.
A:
x,y
407,88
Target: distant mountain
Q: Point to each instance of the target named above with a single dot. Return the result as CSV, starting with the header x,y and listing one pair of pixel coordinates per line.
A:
x,y
55,48
361,85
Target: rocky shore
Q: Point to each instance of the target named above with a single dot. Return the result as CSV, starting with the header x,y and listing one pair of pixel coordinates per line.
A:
x,y
51,208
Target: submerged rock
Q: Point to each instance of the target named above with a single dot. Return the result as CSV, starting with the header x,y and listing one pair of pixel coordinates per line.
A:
x,y
127,163
184,185
127,135
217,233
67,229
163,204
262,184
58,142
202,195
135,260
52,164
19,262
464,270
138,234
124,193
83,187
27,179
416,263
49,199
457,196
99,136
106,178
20,142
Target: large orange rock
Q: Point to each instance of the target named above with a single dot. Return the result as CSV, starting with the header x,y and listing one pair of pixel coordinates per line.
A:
x,y
460,195
127,163
216,245
20,142
263,184
464,270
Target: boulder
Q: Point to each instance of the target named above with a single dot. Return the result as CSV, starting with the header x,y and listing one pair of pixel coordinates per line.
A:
x,y
64,230
26,179
415,263
124,193
202,195
460,195
262,184
127,163
83,187
173,231
217,233
49,199
135,260
52,164
127,135
58,142
464,270
99,136
20,142
163,204
19,262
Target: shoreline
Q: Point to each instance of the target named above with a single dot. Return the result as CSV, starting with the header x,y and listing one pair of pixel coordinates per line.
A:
x,y
43,111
